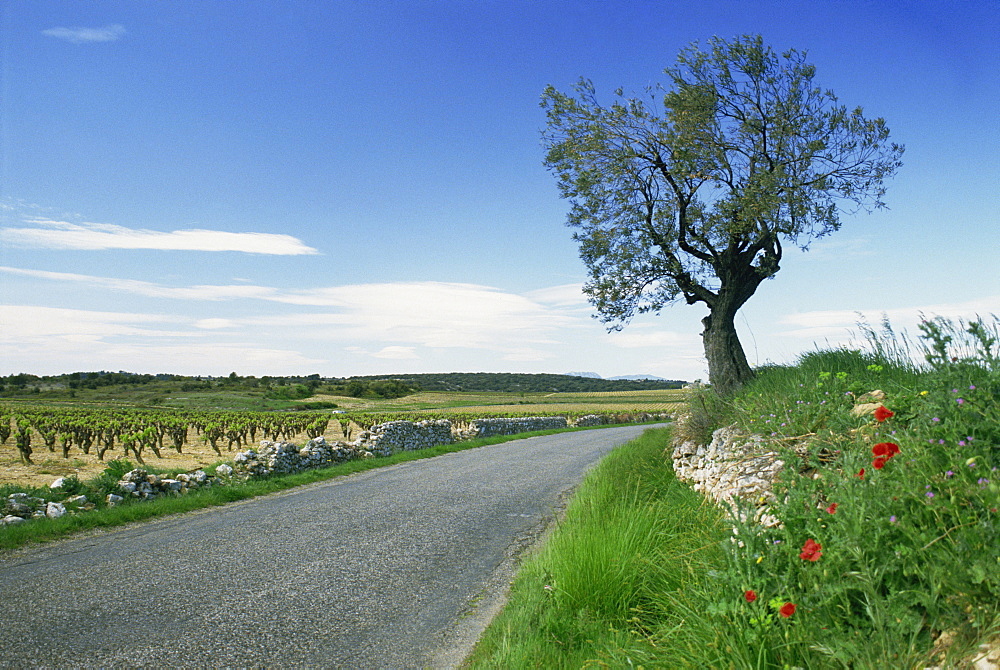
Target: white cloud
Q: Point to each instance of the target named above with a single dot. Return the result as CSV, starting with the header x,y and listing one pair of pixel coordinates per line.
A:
x,y
841,248
389,353
215,324
526,355
837,322
149,289
50,234
48,340
400,316
34,324
564,295
108,33
633,339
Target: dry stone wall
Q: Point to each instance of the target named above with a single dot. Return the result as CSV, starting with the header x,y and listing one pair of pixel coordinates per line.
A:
x,y
734,468
513,426
284,457
592,420
389,438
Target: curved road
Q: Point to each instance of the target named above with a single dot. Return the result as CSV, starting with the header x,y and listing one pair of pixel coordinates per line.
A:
x,y
398,567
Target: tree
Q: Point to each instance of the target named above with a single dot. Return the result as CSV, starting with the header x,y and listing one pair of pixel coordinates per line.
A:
x,y
690,191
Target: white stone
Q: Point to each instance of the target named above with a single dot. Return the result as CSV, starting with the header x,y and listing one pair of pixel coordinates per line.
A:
x,y
55,510
58,484
11,520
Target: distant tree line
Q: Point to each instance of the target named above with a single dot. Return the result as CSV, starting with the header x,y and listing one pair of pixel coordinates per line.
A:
x,y
302,387
509,382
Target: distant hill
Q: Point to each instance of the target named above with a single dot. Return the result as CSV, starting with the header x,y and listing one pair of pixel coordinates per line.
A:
x,y
510,382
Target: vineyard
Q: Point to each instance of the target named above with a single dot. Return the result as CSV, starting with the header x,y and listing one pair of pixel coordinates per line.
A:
x,y
40,442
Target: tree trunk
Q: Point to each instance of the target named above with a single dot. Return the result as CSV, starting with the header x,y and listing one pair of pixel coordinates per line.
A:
x,y
728,369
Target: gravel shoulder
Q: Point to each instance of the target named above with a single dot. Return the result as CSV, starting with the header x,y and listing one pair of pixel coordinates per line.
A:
x,y
399,567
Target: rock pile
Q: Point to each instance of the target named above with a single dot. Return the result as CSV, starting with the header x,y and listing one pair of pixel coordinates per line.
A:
x,y
737,465
733,467
141,484
284,457
20,507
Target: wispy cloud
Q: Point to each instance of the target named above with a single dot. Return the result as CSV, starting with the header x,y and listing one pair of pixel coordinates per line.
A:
x,y
78,35
24,324
399,316
151,290
50,234
76,339
389,353
565,294
837,324
658,339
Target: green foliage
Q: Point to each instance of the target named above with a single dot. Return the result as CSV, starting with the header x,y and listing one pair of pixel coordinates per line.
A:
x,y
634,543
509,382
690,191
72,486
910,544
871,571
314,406
377,388
296,392
117,468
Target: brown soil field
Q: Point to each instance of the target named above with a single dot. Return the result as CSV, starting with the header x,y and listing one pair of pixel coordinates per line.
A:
x,y
50,465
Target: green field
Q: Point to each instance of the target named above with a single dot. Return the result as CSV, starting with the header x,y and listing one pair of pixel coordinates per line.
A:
x,y
424,402
67,428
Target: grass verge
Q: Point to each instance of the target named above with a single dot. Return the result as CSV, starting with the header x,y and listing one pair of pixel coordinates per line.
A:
x,y
613,579
887,554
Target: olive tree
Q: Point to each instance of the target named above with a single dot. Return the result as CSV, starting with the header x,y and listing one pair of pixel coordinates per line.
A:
x,y
690,190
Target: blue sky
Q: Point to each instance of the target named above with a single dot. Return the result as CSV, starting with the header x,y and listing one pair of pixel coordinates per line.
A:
x,y
348,188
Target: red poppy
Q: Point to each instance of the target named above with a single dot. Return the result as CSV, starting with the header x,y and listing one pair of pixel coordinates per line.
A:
x,y
750,596
879,462
811,550
885,449
882,413
861,474
832,509
787,610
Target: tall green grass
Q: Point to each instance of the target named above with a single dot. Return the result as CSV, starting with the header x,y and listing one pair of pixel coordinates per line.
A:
x,y
908,574
878,562
613,578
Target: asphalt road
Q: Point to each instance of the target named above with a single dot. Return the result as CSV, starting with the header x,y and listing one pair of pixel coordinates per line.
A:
x,y
399,567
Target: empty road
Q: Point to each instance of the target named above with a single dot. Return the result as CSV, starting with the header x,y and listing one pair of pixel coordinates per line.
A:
x,y
398,567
